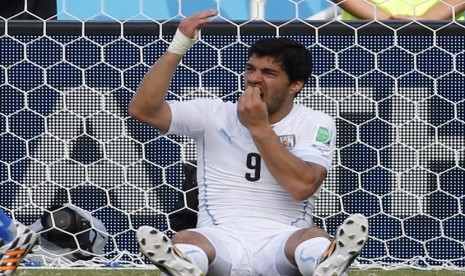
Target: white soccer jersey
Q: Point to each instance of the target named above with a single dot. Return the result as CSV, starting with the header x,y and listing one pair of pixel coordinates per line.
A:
x,y
234,182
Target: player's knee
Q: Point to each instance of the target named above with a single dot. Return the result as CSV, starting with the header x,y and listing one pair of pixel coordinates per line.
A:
x,y
197,239
312,232
302,235
186,236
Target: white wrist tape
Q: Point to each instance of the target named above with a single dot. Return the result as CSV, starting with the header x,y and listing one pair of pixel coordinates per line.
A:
x,y
182,43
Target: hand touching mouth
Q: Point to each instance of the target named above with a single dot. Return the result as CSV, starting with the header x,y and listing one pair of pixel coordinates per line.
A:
x,y
262,95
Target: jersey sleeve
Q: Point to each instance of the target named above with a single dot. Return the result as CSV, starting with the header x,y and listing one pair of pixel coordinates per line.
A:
x,y
190,117
317,141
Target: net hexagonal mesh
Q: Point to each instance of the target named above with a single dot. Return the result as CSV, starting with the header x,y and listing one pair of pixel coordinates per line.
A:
x,y
395,89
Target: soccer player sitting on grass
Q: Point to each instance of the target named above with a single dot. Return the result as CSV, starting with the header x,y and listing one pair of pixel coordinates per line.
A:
x,y
261,162
16,240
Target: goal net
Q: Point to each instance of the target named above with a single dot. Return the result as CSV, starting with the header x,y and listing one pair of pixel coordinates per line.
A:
x,y
395,89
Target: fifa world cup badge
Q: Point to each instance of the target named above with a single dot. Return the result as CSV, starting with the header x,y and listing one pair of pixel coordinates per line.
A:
x,y
323,135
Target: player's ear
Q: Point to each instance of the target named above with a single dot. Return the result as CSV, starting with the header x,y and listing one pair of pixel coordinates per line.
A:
x,y
296,87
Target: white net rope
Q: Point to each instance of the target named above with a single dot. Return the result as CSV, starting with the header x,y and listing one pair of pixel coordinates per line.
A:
x,y
396,90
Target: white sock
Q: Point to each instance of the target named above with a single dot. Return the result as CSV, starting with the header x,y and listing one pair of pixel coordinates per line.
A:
x,y
308,254
195,255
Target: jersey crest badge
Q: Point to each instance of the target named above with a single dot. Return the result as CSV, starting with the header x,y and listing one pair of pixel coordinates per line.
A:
x,y
288,141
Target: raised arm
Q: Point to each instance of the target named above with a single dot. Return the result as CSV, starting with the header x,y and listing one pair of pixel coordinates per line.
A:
x,y
363,9
148,104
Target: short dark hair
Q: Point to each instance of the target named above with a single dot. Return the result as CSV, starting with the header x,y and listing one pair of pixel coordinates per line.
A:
x,y
294,58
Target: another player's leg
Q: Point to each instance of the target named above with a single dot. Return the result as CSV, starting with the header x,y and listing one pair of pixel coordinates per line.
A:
x,y
349,240
15,242
159,249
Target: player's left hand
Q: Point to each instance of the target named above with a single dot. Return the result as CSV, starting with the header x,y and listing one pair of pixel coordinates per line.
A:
x,y
252,110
